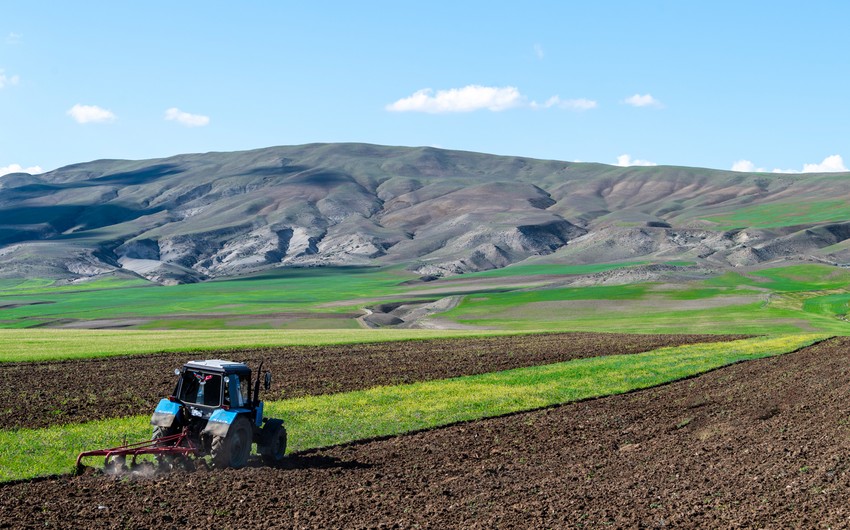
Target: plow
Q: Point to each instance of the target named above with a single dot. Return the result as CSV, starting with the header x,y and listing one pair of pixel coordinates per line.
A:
x,y
212,412
165,450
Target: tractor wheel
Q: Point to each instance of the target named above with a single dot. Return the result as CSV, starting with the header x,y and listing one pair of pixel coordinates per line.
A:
x,y
161,432
164,462
275,447
233,450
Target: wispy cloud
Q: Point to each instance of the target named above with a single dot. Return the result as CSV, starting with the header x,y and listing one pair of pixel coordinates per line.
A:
x,y
626,161
645,100
184,118
830,164
14,38
538,51
8,80
17,168
91,114
567,104
476,97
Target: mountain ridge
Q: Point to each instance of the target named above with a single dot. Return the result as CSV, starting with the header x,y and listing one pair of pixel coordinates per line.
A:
x,y
438,212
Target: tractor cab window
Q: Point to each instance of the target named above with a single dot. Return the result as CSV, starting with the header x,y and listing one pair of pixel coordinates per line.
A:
x,y
237,390
201,388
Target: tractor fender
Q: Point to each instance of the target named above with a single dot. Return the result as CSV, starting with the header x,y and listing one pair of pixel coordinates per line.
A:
x,y
165,413
258,419
220,422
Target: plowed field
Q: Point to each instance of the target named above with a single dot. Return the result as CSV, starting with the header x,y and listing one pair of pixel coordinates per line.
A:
x,y
43,394
762,444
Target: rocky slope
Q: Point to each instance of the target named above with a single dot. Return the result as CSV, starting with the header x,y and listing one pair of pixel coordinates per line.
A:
x,y
191,217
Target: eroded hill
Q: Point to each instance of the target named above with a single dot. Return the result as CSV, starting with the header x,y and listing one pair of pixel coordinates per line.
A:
x,y
198,216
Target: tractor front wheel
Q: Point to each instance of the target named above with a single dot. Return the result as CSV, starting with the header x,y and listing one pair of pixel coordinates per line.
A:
x,y
232,450
274,448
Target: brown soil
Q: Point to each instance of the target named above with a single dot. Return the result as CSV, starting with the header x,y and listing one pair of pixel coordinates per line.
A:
x,y
42,394
763,444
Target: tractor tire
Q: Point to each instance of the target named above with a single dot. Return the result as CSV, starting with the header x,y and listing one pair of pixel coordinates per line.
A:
x,y
164,462
274,448
161,432
232,450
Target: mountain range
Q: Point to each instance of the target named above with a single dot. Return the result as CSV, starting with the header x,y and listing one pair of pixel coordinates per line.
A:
x,y
437,212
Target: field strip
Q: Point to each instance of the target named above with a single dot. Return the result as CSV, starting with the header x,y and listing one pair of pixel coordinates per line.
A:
x,y
318,421
29,345
59,395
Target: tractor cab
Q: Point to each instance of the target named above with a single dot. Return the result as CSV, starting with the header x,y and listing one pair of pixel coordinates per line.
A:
x,y
208,385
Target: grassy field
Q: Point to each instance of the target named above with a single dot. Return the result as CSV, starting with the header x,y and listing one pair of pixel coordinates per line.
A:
x,y
779,300
774,215
59,344
791,299
282,291
9,287
331,419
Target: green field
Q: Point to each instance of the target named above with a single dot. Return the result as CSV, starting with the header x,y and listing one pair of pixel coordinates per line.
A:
x,y
327,301
18,345
281,291
775,215
779,300
318,421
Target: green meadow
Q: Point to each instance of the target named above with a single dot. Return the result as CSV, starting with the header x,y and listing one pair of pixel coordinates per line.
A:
x,y
318,421
18,345
318,302
773,215
779,300
313,290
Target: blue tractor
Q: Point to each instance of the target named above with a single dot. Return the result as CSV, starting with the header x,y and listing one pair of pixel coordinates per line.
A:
x,y
212,412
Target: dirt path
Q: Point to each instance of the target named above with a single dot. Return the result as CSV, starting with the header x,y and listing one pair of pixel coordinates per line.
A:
x,y
763,444
43,394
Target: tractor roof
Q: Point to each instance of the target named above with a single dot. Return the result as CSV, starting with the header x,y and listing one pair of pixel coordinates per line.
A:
x,y
219,365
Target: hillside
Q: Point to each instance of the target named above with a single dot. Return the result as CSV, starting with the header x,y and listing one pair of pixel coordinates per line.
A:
x,y
193,217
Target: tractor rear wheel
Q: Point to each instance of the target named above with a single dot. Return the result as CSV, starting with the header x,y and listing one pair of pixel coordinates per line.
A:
x,y
164,462
274,448
233,450
162,432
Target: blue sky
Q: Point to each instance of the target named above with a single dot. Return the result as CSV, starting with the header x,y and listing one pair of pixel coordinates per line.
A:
x,y
760,85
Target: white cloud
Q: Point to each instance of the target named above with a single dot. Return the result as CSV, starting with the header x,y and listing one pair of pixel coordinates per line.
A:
x,y
745,166
477,97
8,80
14,38
645,100
184,118
538,51
91,114
830,164
466,99
626,161
16,168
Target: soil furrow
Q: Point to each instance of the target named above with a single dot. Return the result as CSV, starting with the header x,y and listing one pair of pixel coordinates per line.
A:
x,y
762,444
42,394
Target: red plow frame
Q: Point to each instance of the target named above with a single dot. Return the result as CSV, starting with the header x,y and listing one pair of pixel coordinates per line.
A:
x,y
172,445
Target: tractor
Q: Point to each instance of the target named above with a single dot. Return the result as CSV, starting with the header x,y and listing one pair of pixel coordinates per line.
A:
x,y
212,412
